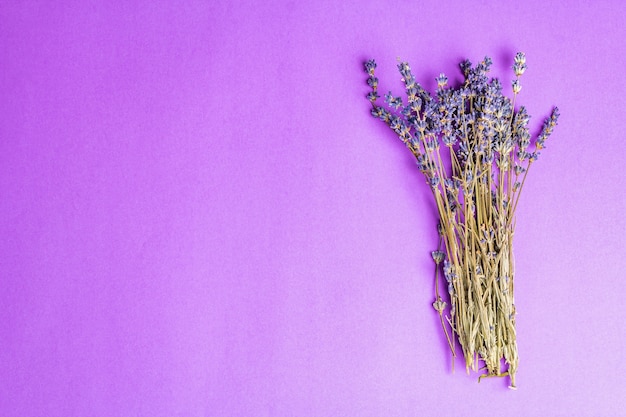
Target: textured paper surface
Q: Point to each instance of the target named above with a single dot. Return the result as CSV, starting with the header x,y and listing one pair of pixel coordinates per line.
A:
x,y
199,217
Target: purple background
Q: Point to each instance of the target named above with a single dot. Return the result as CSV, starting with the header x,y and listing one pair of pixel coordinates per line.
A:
x,y
199,217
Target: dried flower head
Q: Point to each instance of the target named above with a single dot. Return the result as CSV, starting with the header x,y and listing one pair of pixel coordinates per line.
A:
x,y
438,256
370,66
439,305
520,64
442,80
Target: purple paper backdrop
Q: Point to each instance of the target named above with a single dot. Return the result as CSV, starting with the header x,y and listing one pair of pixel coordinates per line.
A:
x,y
199,217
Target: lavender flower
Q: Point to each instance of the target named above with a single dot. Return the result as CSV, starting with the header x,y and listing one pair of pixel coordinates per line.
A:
x,y
523,155
438,256
520,64
372,96
487,158
447,271
452,184
466,66
548,126
370,66
411,93
442,80
449,140
405,70
439,305
395,102
424,163
516,86
434,181
431,144
396,123
475,197
419,124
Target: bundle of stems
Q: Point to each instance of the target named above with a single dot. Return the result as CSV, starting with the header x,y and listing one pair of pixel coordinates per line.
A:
x,y
475,150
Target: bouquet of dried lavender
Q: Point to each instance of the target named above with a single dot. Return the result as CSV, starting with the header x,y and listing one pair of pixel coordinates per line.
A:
x,y
475,150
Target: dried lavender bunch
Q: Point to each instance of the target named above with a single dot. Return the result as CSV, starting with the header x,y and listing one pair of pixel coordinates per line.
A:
x,y
475,151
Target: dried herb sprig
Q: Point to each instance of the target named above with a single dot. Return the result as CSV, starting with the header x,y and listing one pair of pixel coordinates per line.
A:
x,y
489,151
